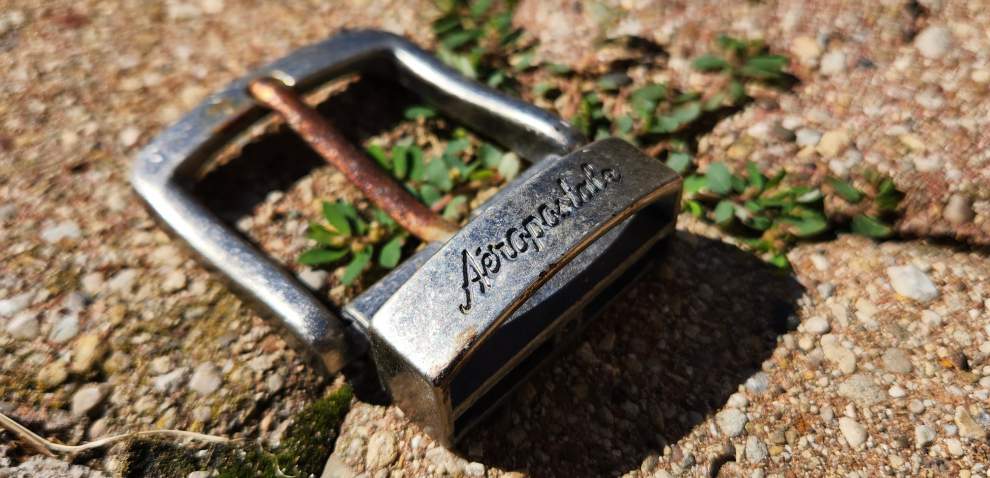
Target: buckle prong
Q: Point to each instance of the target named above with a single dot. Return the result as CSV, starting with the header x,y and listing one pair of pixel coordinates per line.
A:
x,y
374,182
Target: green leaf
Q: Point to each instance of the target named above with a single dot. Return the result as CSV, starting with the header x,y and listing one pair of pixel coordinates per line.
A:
x,y
613,81
481,175
419,111
679,162
888,197
456,146
736,91
719,179
456,208
400,162
845,190
381,217
760,223
380,156
724,212
457,39
429,194
337,217
665,124
710,63
624,124
694,183
391,252
780,260
479,7
764,67
806,226
756,178
870,227
446,23
416,166
318,256
644,100
437,174
320,234
687,113
490,155
694,207
357,265
509,167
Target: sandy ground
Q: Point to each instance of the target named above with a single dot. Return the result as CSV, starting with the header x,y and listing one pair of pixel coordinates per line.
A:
x,y
869,359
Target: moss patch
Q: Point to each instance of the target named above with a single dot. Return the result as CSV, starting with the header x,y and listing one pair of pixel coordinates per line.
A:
x,y
304,451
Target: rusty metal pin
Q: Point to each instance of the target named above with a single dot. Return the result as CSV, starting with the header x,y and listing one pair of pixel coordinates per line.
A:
x,y
380,188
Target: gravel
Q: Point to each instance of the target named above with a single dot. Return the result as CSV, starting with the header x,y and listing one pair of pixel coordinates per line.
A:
x,y
23,326
843,358
756,450
968,427
65,328
923,436
817,325
62,230
862,389
934,42
731,422
205,379
87,398
854,433
896,360
911,282
15,304
382,450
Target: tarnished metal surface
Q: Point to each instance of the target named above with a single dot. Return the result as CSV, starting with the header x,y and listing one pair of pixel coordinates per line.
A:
x,y
166,165
440,318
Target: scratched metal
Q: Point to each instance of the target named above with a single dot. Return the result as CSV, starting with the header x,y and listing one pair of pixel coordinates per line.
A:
x,y
175,158
433,324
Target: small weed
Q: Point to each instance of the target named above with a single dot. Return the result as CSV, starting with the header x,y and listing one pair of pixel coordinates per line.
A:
x,y
768,213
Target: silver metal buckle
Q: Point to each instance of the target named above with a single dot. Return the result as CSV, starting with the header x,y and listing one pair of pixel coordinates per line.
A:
x,y
457,326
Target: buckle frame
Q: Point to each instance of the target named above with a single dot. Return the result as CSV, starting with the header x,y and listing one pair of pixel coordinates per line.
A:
x,y
166,166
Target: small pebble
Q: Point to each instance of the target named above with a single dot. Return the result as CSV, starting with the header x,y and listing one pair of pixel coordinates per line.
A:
x,y
833,143
65,329
954,446
854,433
15,304
896,360
129,136
731,422
933,42
833,63
959,209
807,137
923,436
313,278
87,398
62,230
52,375
174,281
968,427
88,349
382,450
862,389
170,381
23,326
817,325
206,379
756,450
911,282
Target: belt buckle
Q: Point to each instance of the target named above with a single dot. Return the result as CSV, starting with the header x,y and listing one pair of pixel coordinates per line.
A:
x,y
457,326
